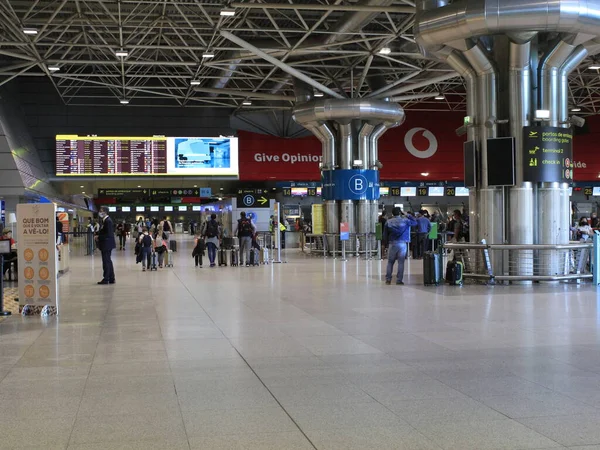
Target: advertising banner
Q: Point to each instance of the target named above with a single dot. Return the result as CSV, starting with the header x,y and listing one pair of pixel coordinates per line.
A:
x,y
36,244
547,154
318,218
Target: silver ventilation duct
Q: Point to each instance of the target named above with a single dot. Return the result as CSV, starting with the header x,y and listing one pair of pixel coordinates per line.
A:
x,y
465,19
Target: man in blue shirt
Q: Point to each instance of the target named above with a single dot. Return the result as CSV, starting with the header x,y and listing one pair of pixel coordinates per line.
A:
x,y
423,229
397,234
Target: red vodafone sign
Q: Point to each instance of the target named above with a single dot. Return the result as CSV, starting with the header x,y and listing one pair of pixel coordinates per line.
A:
x,y
425,144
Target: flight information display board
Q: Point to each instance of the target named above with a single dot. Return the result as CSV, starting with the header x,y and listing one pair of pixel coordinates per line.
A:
x,y
126,156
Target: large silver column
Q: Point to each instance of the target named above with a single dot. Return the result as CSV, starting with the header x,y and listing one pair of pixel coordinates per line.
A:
x,y
521,195
491,204
375,165
364,215
347,212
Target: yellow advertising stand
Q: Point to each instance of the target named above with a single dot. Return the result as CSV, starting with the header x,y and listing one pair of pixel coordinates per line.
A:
x,y
38,256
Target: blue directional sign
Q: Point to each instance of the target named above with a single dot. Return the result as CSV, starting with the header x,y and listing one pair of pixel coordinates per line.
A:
x,y
350,184
247,198
205,192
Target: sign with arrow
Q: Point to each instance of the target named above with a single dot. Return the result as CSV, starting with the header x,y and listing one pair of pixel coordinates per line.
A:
x,y
248,198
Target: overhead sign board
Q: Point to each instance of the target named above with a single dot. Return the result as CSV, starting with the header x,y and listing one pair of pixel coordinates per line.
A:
x,y
547,154
248,198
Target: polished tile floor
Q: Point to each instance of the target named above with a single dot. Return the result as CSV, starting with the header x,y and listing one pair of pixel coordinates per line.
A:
x,y
309,354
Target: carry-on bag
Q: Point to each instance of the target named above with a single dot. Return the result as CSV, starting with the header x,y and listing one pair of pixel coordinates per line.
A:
x,y
169,258
235,257
173,245
254,257
433,269
153,265
222,257
264,255
454,273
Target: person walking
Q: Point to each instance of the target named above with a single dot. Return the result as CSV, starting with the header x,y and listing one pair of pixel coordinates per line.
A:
x,y
106,244
244,231
397,234
147,242
212,232
122,233
160,245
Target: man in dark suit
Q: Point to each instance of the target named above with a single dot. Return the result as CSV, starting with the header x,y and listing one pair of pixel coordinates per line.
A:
x,y
106,244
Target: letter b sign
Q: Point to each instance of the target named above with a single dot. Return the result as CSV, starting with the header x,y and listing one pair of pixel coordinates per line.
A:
x,y
358,184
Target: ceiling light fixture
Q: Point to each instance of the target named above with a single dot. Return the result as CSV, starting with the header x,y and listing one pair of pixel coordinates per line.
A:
x,y
594,67
425,174
124,101
439,97
246,103
208,55
53,68
575,109
228,12
385,51
30,31
195,82
318,94
121,53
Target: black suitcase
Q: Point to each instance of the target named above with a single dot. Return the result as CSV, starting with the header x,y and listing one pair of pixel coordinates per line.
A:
x,y
235,257
433,269
222,257
227,242
173,246
454,273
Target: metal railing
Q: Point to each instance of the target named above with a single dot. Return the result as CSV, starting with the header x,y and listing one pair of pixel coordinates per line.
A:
x,y
565,262
330,244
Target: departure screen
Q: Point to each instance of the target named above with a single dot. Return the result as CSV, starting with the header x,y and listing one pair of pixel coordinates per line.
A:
x,y
122,156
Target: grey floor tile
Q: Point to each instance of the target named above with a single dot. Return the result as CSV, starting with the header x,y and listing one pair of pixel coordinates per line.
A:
x,y
310,392
483,435
391,391
152,444
335,345
400,437
106,404
567,430
48,433
127,427
252,441
237,421
538,405
348,415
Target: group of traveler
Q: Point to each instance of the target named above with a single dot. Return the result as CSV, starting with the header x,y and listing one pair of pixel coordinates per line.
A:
x,y
397,237
153,240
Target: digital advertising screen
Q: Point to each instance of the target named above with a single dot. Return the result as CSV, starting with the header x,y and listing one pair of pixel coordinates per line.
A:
x,y
140,156
299,192
408,192
436,191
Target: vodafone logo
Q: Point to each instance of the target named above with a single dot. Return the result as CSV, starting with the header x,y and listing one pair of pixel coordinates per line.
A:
x,y
418,136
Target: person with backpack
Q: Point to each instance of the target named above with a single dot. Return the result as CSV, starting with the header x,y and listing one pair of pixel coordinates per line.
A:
x,y
166,227
146,243
212,231
244,231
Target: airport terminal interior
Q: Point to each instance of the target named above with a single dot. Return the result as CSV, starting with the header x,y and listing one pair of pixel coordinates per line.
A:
x,y
301,224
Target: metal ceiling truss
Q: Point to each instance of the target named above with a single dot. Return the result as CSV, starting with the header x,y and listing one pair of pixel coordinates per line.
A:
x,y
166,39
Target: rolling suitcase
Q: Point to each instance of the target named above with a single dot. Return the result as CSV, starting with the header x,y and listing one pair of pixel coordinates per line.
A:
x,y
254,257
264,256
454,273
169,258
153,265
173,246
235,257
433,269
222,257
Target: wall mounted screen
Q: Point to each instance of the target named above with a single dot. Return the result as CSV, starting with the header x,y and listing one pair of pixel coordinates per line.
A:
x,y
140,156
408,192
384,191
299,192
436,191
462,192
